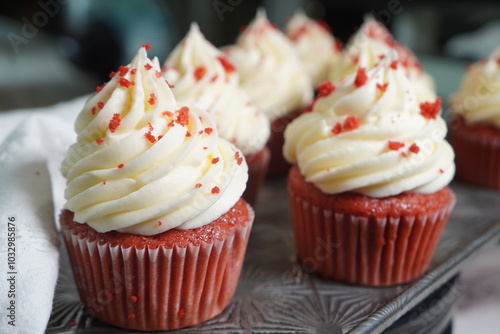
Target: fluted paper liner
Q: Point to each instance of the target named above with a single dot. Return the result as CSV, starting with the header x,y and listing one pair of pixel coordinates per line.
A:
x,y
477,155
365,250
257,169
161,288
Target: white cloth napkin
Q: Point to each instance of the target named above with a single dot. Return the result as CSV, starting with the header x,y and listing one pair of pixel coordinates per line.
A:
x,y
32,142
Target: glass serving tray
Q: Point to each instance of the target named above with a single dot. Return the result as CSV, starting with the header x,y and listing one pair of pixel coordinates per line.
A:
x,y
276,295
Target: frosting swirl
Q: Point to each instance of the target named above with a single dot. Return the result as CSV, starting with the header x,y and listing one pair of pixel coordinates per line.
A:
x,y
370,136
478,98
270,68
201,74
317,48
144,165
372,42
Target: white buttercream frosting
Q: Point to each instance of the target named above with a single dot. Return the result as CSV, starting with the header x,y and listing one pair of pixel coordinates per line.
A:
x,y
371,136
315,44
478,98
201,74
372,42
270,68
143,164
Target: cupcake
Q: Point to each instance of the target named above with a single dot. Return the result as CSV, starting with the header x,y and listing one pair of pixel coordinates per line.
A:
x,y
475,128
199,73
369,45
368,189
271,71
154,222
317,48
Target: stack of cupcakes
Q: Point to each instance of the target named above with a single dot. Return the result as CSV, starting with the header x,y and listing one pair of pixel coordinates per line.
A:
x,y
199,73
272,73
475,128
154,223
368,190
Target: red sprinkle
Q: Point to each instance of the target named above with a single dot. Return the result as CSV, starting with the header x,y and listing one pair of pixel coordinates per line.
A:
x,y
183,116
337,128
112,74
301,31
123,70
125,83
394,64
404,155
198,185
134,298
146,46
199,72
114,123
169,85
150,137
158,74
360,77
99,88
351,123
382,87
99,141
152,98
131,316
167,113
208,130
188,134
160,137
338,44
228,67
215,160
120,166
150,127
326,88
214,78
414,148
215,190
103,183
148,67
93,110
100,105
430,110
394,145
238,157
171,123
205,148
132,71
441,171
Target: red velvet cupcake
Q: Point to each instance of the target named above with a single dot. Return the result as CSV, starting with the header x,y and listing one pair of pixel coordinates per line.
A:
x,y
368,192
475,127
271,71
154,222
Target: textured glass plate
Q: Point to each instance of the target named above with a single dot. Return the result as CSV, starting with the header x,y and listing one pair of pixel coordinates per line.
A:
x,y
275,294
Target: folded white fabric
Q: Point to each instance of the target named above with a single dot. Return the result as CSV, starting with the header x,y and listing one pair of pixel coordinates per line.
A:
x,y
30,141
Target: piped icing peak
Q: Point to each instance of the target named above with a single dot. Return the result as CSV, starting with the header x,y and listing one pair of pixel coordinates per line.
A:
x,y
317,48
270,68
218,91
371,43
478,98
139,157
370,135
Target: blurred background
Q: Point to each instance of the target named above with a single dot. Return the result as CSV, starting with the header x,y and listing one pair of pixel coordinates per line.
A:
x,y
53,50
